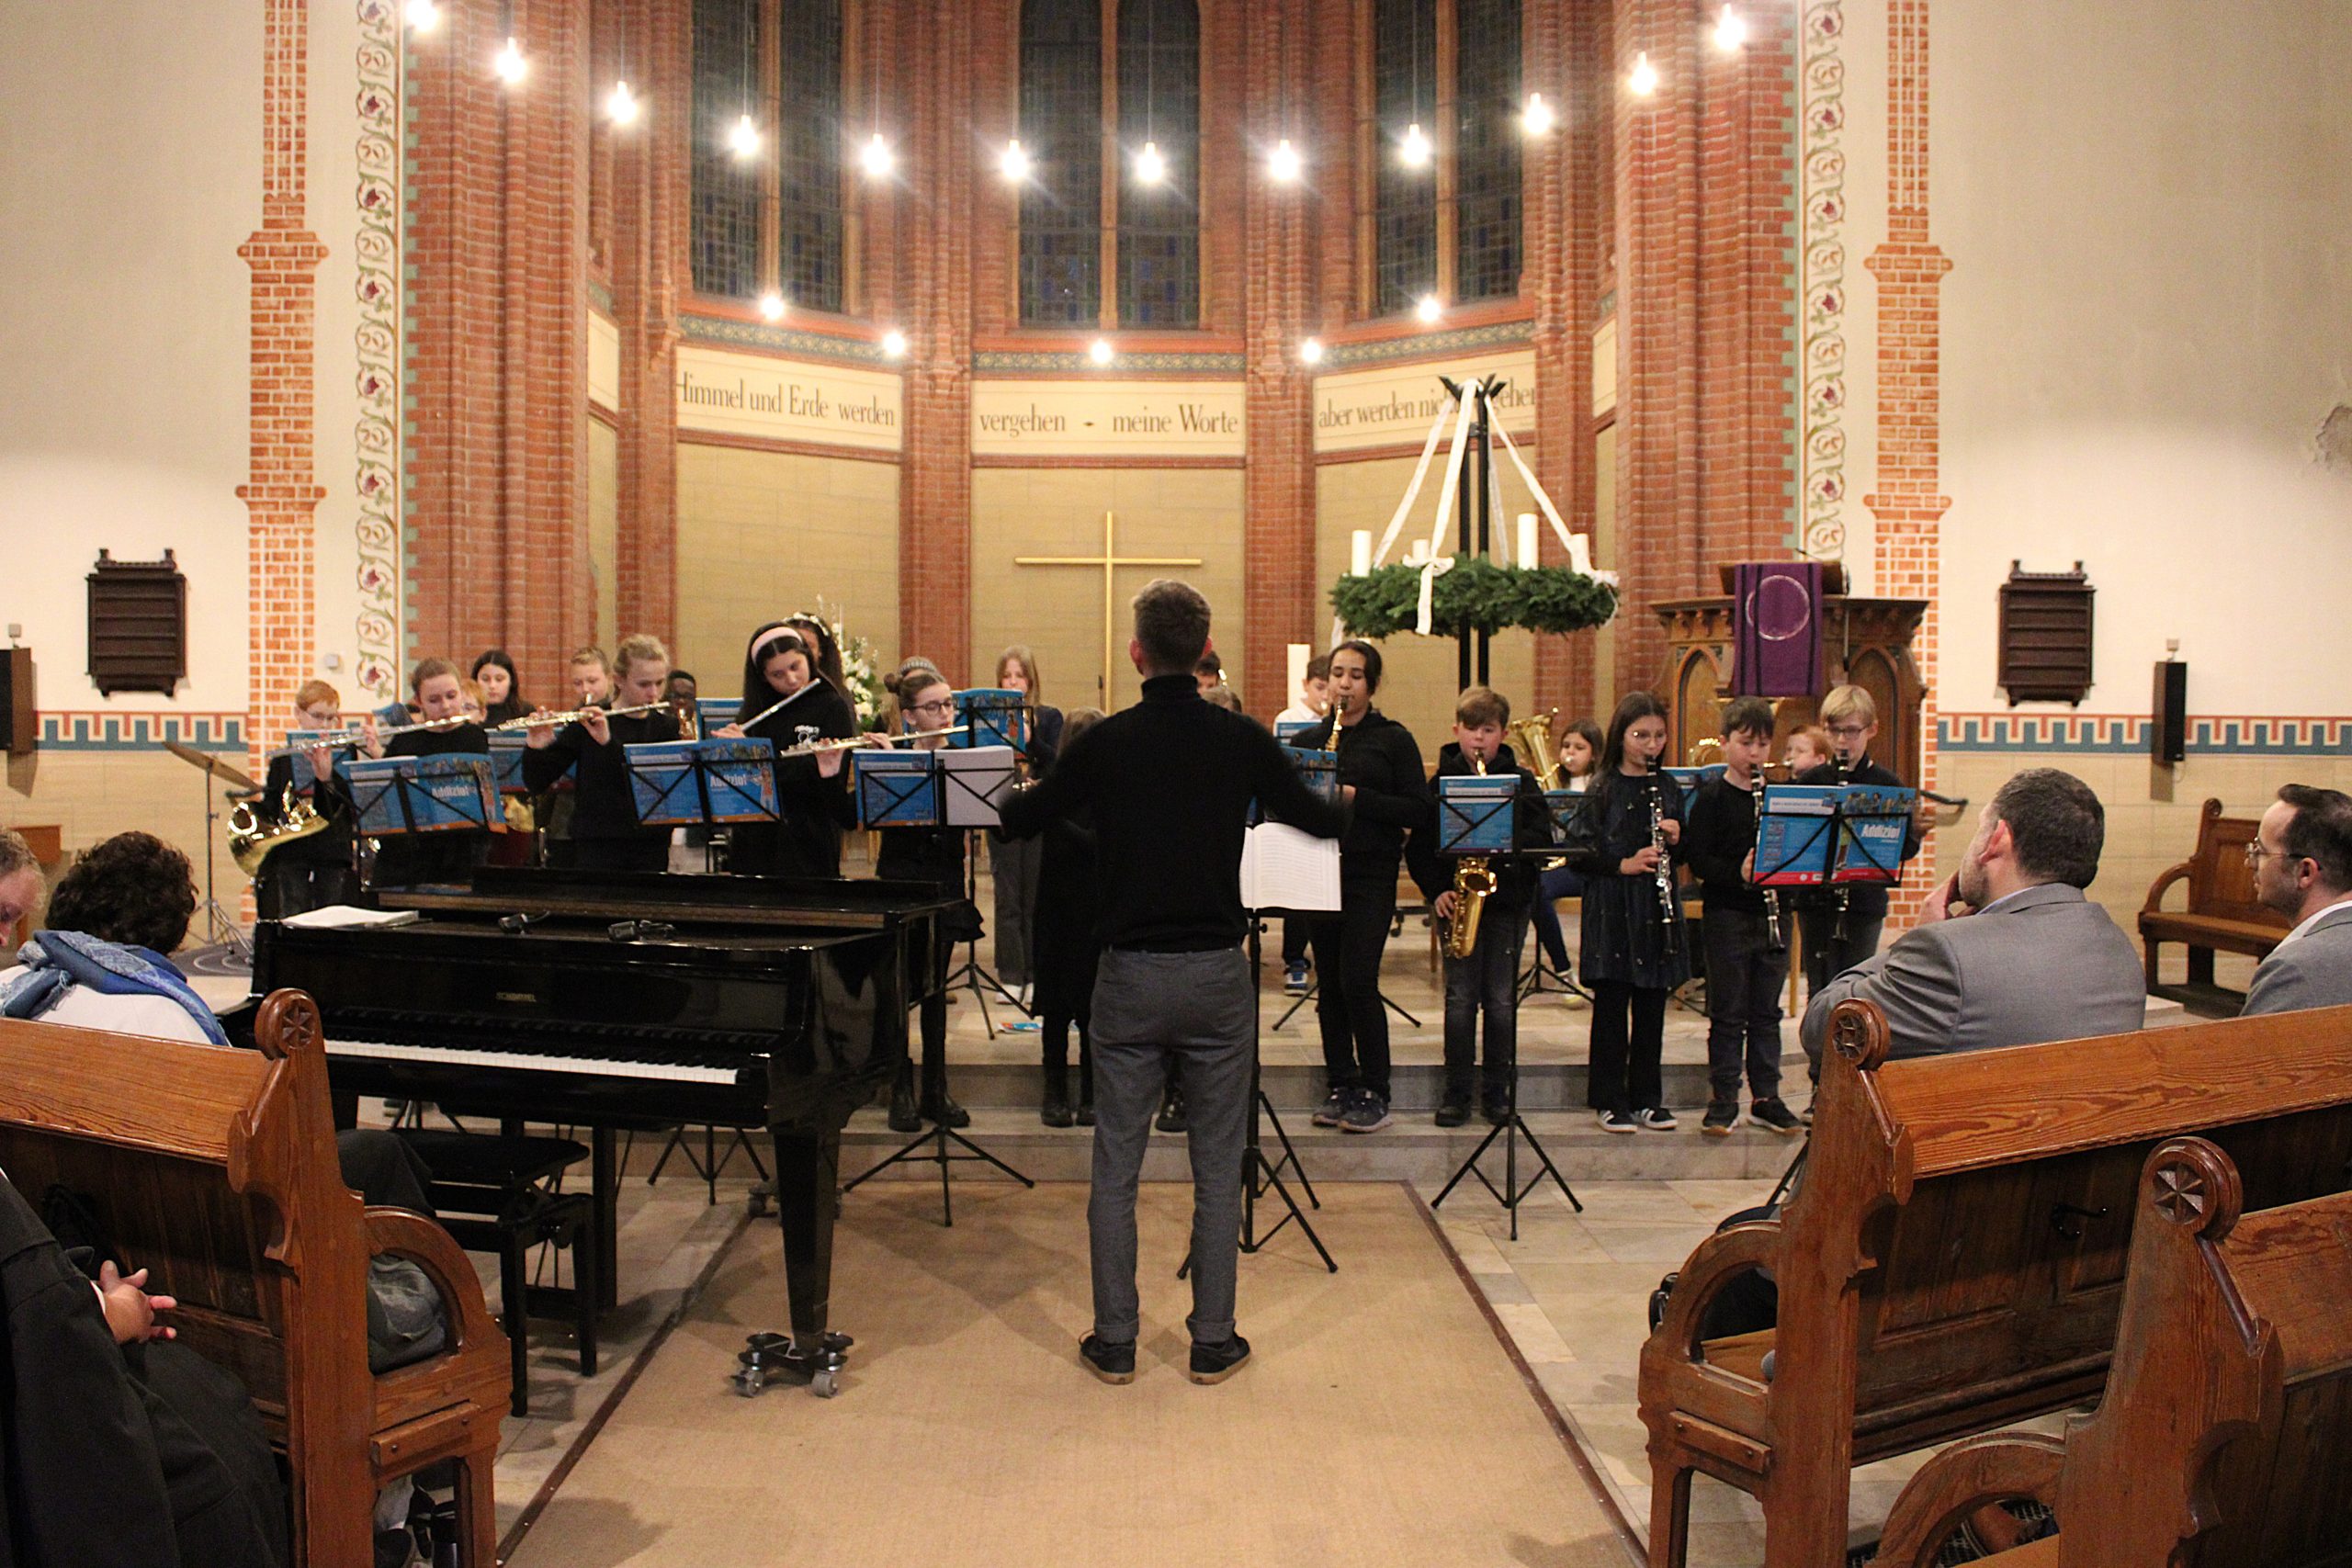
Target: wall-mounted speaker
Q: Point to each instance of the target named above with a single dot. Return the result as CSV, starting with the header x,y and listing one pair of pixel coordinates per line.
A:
x,y
19,724
2168,713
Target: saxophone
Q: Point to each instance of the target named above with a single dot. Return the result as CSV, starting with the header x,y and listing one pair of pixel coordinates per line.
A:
x,y
1474,883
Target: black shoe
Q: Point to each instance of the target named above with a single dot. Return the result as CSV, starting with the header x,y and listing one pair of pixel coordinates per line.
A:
x,y
1722,1115
1333,1108
940,1109
1055,1111
1495,1108
1655,1119
1454,1111
903,1117
1367,1112
1214,1364
1774,1114
1086,1113
1172,1114
1112,1363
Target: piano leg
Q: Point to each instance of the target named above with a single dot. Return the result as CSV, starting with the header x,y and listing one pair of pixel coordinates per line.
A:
x,y
807,1198
603,1187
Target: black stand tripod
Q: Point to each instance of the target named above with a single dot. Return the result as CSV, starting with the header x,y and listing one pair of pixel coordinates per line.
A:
x,y
936,1141
1259,1175
971,973
1309,994
1510,1130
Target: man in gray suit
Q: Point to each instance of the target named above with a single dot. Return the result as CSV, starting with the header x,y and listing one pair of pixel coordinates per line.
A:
x,y
2302,868
2008,951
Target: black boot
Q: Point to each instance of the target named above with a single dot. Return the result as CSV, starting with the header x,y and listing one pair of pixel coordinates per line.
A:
x,y
1055,1111
902,1100
937,1105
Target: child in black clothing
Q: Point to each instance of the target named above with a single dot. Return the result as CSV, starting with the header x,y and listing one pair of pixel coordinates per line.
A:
x,y
1068,947
1745,968
1635,948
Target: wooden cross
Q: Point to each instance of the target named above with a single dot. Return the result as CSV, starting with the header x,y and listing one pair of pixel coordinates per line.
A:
x,y
1110,560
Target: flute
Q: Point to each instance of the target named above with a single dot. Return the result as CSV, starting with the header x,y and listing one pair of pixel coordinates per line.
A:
x,y
569,715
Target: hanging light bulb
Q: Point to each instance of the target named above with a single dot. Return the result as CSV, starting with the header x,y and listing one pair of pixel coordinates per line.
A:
x,y
510,64
772,305
893,345
1283,164
1642,80
1429,309
744,140
1013,161
1151,167
621,105
424,16
876,159
1536,118
1415,149
1098,351
1730,31
1311,351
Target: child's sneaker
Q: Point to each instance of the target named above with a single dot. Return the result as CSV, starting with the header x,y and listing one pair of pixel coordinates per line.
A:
x,y
1722,1115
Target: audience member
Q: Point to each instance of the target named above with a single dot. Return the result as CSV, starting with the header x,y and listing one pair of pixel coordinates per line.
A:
x,y
2302,868
2008,951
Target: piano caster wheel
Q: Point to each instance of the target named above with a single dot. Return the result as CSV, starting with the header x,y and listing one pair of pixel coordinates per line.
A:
x,y
763,1194
768,1357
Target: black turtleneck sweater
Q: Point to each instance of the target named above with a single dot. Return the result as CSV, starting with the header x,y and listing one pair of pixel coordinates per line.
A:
x,y
1380,760
1170,781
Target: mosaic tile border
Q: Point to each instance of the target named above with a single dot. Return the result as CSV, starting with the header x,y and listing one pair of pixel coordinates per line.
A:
x,y
1427,345
142,731
2235,736
794,341
1079,365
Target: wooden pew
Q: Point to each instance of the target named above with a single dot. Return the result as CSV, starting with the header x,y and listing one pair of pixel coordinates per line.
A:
x,y
2225,1437
1954,1258
216,1168
2223,911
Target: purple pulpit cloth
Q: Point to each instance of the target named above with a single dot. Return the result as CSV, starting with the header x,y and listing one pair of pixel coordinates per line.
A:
x,y
1776,629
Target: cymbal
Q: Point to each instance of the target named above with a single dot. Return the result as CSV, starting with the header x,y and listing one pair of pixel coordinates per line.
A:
x,y
210,764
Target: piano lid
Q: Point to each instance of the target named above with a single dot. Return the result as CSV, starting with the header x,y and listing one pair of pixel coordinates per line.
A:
x,y
857,904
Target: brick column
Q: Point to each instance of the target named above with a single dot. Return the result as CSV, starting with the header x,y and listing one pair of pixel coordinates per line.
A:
x,y
936,478
1281,590
649,264
281,492
1908,504
1659,449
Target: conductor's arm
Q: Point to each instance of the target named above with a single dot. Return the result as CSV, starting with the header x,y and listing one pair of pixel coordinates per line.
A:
x,y
1069,785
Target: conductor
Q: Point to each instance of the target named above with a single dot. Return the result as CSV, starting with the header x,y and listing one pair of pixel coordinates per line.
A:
x,y
1170,781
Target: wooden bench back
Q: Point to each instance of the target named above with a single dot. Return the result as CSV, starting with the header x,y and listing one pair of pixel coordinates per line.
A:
x,y
2002,1229
216,1168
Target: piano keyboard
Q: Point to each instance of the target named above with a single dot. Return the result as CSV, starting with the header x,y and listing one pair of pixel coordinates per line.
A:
x,y
534,1062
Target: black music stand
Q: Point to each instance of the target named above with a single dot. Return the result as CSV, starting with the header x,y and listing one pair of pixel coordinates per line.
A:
x,y
938,1135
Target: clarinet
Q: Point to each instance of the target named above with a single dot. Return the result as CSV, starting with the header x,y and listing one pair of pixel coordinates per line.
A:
x,y
1664,871
1776,927
1837,933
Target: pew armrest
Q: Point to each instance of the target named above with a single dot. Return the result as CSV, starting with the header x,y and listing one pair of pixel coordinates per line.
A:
x,y
2156,889
1714,1264
401,1233
1975,1473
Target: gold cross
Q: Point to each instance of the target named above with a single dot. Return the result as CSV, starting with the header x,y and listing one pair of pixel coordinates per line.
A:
x,y
1110,560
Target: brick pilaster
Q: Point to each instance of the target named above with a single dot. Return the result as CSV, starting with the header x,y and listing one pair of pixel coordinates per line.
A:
x,y
1909,268
281,492
649,261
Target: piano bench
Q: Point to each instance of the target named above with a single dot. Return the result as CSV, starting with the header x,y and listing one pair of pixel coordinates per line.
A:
x,y
498,1194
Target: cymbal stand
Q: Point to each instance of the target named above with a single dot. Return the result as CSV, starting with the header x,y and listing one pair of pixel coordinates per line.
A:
x,y
219,925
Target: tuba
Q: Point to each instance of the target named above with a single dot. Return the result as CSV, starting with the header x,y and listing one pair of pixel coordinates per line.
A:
x,y
251,840
1531,741
1474,883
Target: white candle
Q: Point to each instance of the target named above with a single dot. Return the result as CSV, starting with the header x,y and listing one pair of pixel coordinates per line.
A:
x,y
1526,539
1360,552
1419,555
1299,654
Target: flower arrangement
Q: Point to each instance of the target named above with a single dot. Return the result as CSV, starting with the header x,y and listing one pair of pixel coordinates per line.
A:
x,y
1476,595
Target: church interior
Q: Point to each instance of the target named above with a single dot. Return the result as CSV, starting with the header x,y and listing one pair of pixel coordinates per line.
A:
x,y
1914,428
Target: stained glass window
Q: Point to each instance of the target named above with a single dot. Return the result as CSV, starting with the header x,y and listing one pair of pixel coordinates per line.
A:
x,y
1160,225
1061,130
1487,150
726,190
1404,75
809,152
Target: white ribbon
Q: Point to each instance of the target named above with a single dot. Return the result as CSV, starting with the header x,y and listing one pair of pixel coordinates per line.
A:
x,y
1580,561
1431,569
1404,507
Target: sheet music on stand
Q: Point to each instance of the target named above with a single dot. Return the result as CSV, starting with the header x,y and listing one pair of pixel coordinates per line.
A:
x,y
1874,820
1288,868
973,782
507,761
1814,835
450,791
694,782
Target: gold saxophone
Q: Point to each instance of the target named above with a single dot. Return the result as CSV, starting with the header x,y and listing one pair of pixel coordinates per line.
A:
x,y
251,840
1474,883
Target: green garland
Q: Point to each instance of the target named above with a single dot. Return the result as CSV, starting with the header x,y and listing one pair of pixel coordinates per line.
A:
x,y
1476,595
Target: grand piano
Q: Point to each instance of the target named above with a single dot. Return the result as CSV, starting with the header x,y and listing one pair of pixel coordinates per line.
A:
x,y
606,1000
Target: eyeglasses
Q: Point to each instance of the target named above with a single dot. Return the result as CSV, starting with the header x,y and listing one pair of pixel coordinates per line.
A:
x,y
2255,850
944,705
1849,731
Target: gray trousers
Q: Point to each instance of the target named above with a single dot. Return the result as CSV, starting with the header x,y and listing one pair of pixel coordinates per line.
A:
x,y
1151,1009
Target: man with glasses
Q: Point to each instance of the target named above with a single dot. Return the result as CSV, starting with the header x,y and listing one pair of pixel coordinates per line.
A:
x,y
2301,857
1860,908
2008,951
